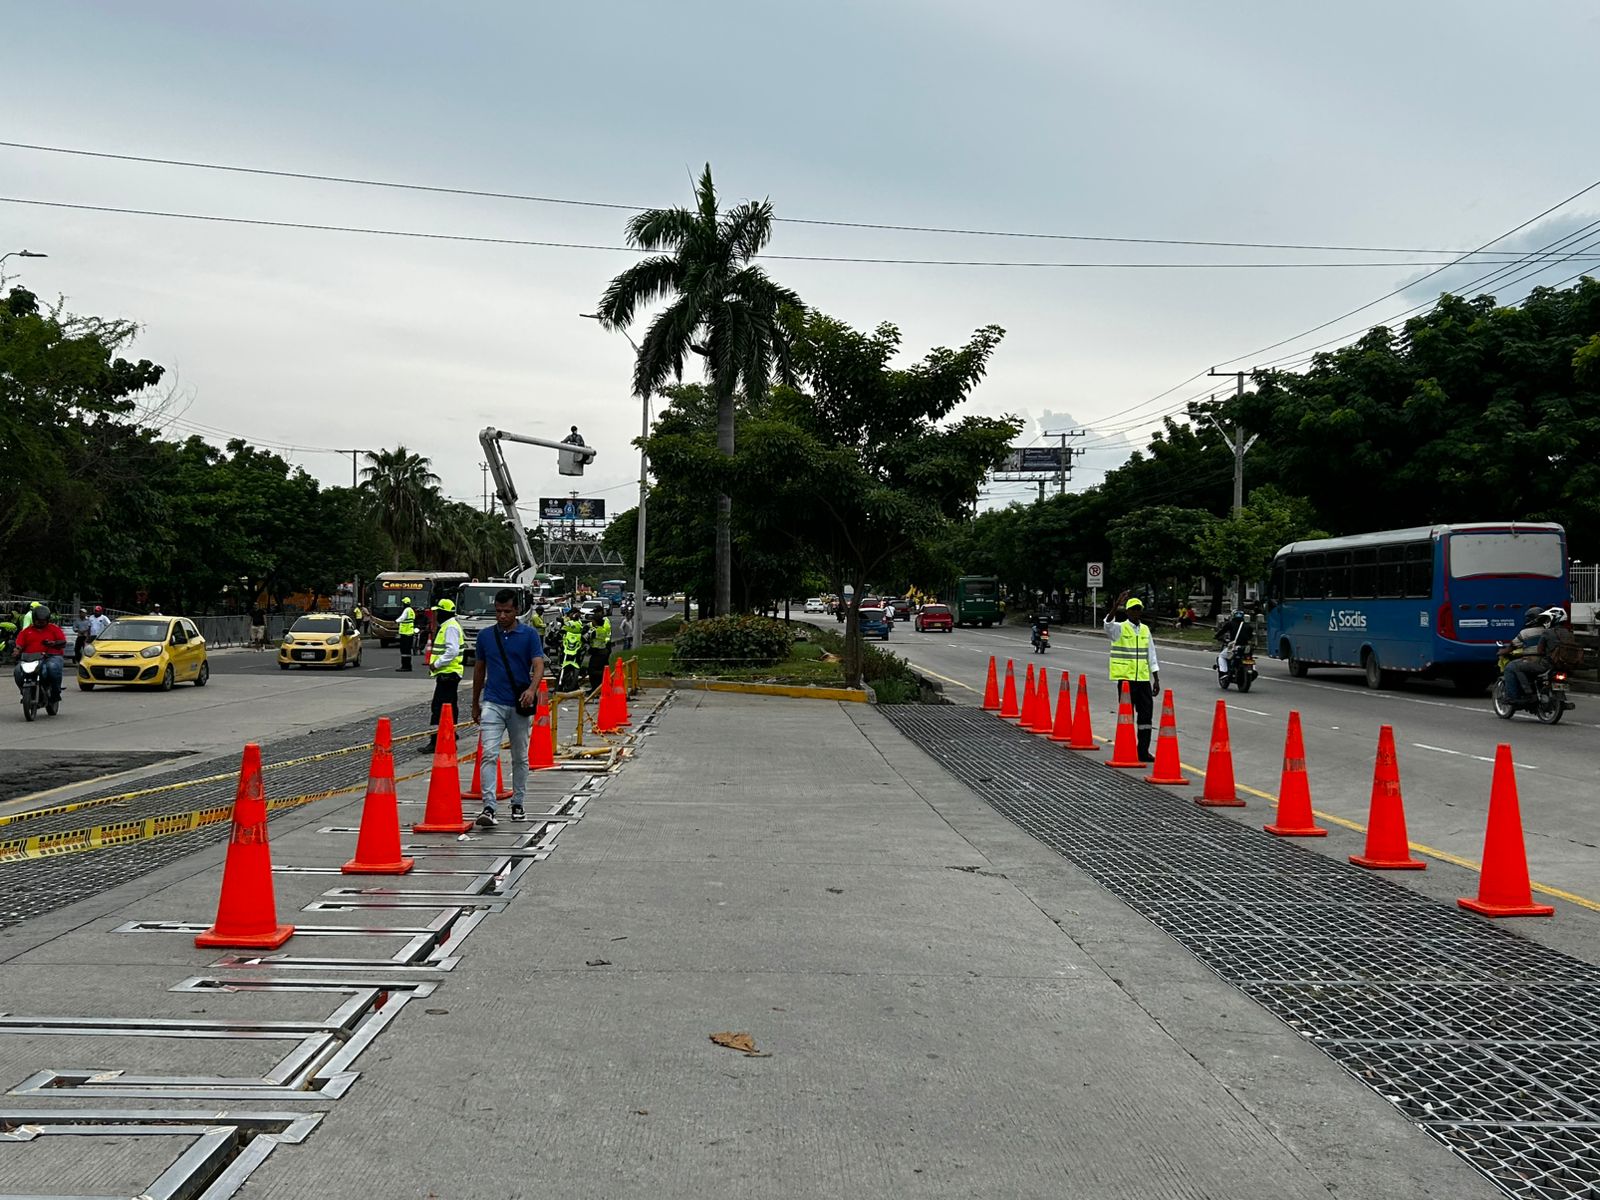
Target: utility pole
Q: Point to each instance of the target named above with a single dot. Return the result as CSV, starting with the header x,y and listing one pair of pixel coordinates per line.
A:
x,y
484,467
1239,444
1064,466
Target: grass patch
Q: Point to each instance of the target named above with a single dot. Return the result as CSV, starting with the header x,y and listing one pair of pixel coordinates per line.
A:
x,y
806,664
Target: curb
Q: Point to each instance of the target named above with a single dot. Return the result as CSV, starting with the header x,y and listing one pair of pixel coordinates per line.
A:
x,y
792,690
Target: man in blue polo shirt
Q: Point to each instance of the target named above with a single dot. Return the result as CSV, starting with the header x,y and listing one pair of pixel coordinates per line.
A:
x,y
506,674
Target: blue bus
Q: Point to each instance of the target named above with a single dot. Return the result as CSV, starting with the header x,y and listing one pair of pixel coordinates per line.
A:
x,y
1429,602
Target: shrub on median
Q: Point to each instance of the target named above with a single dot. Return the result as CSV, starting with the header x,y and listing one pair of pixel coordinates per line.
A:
x,y
737,641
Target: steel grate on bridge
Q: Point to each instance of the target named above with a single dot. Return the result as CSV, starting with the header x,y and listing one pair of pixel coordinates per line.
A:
x,y
1489,1041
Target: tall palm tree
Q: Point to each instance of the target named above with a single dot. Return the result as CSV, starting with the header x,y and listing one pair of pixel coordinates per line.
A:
x,y
720,306
402,487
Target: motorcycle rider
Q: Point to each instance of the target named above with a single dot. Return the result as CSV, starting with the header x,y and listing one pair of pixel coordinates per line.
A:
x,y
44,637
1040,630
573,634
1235,633
1528,652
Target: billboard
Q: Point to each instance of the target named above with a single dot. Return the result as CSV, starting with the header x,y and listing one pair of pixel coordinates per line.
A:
x,y
570,508
1036,458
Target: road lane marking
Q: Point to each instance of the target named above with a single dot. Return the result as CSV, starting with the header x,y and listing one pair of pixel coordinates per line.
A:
x,y
1242,708
946,678
1464,754
1455,860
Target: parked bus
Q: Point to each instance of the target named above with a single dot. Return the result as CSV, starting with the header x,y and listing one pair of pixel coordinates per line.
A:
x,y
1429,602
424,587
976,600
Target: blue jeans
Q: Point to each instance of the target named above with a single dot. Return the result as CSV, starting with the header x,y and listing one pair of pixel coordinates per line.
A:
x,y
500,722
1518,671
51,672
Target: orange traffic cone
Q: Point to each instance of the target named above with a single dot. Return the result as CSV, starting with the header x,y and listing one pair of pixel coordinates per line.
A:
x,y
1168,767
1082,729
1294,789
247,914
1387,846
443,813
1008,699
1041,707
1025,718
1504,889
501,791
605,715
991,690
620,680
542,746
475,788
1220,790
378,844
1125,750
1062,732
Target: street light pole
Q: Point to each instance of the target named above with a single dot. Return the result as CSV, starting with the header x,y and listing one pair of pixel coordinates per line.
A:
x,y
644,497
16,254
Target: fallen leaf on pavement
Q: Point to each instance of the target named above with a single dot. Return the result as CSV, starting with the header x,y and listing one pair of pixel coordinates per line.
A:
x,y
742,1042
598,962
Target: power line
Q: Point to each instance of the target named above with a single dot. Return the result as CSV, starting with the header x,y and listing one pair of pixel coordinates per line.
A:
x,y
439,189
372,231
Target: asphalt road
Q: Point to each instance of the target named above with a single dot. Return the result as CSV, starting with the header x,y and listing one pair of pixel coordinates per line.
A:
x,y
1446,743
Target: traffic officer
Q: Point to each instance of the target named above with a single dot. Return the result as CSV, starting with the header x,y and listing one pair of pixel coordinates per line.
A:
x,y
407,630
1133,661
600,649
359,618
446,664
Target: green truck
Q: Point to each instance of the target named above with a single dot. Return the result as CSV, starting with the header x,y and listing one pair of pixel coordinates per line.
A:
x,y
976,600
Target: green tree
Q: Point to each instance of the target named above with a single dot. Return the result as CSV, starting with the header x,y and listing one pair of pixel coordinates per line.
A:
x,y
1159,543
402,487
1242,546
720,306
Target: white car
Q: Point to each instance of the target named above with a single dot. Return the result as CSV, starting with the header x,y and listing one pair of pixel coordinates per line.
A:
x,y
815,605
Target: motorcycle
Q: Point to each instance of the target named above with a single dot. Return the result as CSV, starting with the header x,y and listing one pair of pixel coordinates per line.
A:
x,y
839,613
1041,640
574,661
36,692
1549,700
1241,672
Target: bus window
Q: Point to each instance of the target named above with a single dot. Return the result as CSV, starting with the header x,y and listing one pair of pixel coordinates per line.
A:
x,y
1312,579
1363,573
1419,571
1391,572
1275,585
1530,554
1336,574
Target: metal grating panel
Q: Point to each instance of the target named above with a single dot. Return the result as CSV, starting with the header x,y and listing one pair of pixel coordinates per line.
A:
x,y
1487,1040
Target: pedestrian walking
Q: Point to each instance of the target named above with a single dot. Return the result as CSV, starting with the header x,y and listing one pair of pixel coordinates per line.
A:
x,y
80,634
506,673
98,623
258,628
407,633
1134,662
446,666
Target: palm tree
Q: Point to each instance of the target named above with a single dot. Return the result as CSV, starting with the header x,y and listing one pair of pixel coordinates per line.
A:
x,y
721,307
402,487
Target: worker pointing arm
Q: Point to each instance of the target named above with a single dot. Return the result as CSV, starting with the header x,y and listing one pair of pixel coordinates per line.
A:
x,y
1134,662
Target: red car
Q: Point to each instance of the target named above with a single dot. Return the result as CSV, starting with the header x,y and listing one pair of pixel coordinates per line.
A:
x,y
935,616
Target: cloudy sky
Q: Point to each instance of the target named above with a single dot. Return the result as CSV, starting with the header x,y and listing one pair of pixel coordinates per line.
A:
x,y
1426,126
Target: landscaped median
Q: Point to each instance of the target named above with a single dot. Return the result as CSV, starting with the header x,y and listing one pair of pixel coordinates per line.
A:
x,y
762,656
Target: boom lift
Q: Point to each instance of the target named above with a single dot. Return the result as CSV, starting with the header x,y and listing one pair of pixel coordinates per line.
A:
x,y
573,457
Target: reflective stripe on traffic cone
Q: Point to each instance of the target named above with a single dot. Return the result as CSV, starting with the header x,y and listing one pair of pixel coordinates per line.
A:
x,y
1082,728
443,813
1008,701
991,690
1063,726
1504,889
247,913
378,843
1294,789
1168,767
1388,848
1125,750
1220,790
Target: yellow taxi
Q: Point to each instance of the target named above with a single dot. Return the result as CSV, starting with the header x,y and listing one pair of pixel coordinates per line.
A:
x,y
321,640
154,651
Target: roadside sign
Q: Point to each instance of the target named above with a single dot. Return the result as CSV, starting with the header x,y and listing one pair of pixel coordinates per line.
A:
x,y
1097,575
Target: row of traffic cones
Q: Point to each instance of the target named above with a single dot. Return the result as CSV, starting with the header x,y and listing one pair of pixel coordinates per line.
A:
x,y
247,915
1504,885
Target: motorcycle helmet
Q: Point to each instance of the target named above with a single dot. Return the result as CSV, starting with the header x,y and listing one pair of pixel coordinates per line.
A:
x,y
1239,615
42,614
1552,616
1531,614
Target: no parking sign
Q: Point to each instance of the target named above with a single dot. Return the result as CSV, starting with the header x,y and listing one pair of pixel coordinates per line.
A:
x,y
1097,575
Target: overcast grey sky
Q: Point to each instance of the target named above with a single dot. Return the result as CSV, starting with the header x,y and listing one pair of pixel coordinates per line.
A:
x,y
1424,124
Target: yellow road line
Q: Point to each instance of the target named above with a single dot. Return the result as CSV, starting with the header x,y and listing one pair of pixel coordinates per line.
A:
x,y
1455,860
944,678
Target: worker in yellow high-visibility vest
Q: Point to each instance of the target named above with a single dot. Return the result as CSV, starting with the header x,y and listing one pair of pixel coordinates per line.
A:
x,y
446,664
1134,662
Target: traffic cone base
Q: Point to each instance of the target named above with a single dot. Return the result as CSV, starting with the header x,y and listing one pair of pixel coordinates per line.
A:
x,y
247,913
443,812
1504,889
1387,847
1008,699
1168,768
378,842
991,689
1125,750
1082,729
1295,818
1220,790
1062,730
